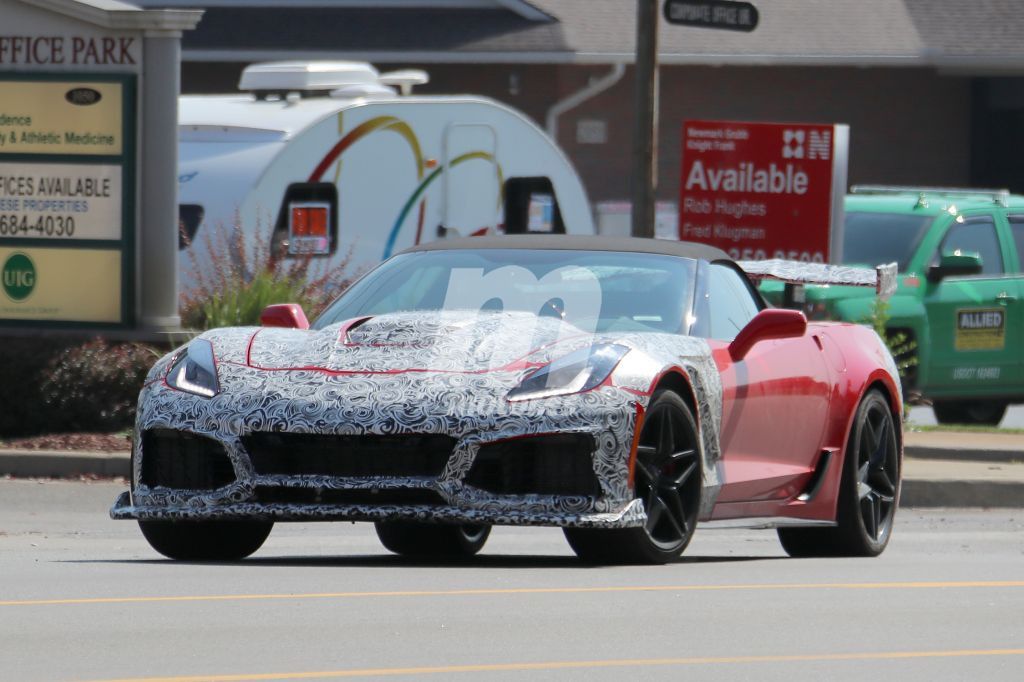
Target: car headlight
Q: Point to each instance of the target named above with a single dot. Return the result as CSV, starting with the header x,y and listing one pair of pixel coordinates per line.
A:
x,y
195,370
578,371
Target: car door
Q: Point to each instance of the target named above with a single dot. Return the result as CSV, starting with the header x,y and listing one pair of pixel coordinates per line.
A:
x,y
774,400
975,321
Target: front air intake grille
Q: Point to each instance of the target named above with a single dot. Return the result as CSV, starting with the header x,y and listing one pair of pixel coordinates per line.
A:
x,y
182,460
298,454
367,498
554,464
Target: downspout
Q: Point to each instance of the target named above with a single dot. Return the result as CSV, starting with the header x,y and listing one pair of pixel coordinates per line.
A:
x,y
580,96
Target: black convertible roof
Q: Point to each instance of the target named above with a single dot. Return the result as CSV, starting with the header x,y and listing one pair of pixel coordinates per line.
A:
x,y
565,242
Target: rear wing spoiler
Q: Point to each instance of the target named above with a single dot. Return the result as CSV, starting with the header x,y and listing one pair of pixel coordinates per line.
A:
x,y
882,277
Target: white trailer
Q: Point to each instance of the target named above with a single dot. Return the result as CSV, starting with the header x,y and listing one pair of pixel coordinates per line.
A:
x,y
334,161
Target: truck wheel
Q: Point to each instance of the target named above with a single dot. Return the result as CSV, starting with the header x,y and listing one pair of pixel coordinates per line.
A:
x,y
988,412
206,540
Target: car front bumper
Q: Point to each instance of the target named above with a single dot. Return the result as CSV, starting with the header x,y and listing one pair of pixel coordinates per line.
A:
x,y
471,411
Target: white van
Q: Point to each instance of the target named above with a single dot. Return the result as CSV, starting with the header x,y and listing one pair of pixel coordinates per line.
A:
x,y
335,161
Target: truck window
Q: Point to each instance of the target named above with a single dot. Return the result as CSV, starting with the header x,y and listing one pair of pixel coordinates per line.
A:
x,y
307,222
1017,228
871,238
978,235
531,206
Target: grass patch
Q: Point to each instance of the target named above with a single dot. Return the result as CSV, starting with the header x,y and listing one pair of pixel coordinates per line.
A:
x,y
962,428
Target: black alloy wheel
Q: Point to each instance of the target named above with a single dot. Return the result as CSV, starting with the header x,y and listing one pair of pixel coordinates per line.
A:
x,y
424,540
668,479
869,490
206,540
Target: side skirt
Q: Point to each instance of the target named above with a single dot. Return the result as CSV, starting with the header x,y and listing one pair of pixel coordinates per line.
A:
x,y
764,522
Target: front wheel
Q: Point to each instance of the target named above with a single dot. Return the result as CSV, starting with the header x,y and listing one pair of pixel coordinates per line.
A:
x,y
868,490
206,540
432,540
984,412
668,480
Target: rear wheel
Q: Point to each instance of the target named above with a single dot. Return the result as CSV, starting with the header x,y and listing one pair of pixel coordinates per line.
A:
x,y
988,412
668,480
432,540
868,491
206,540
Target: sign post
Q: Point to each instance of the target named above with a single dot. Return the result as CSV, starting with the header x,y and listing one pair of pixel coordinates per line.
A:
x,y
645,119
764,190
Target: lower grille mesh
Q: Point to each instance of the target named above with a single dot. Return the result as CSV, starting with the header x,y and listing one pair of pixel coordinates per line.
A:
x,y
182,460
297,454
554,464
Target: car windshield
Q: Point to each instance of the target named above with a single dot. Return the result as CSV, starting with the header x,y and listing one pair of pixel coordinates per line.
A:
x,y
596,291
874,238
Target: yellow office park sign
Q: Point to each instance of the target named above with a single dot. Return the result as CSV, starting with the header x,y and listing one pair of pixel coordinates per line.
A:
x,y
61,117
79,285
980,329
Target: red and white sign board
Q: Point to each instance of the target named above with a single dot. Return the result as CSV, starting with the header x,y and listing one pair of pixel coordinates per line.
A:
x,y
764,190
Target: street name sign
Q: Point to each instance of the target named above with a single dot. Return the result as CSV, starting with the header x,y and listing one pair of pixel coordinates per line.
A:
x,y
720,14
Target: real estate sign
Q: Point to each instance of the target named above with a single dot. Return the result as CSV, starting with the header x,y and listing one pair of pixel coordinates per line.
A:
x,y
764,190
66,197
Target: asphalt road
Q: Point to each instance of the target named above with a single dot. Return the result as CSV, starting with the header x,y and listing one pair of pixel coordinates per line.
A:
x,y
84,598
924,416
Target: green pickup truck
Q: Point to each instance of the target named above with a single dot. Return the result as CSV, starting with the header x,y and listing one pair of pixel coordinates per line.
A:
x,y
960,297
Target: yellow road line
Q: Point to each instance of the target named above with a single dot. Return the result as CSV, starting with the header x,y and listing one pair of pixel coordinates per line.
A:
x,y
577,665
521,590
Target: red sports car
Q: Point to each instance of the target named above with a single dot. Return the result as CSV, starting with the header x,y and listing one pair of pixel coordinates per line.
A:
x,y
621,389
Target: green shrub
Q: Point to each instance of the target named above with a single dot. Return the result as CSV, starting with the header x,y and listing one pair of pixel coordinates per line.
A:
x,y
94,386
22,369
903,349
244,278
60,384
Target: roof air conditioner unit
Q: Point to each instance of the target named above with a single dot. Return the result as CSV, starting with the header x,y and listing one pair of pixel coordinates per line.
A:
x,y
306,76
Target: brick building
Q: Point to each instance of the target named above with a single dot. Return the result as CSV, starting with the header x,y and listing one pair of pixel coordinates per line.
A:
x,y
933,90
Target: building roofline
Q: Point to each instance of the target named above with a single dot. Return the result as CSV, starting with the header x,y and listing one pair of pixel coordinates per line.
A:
x,y
113,14
1008,64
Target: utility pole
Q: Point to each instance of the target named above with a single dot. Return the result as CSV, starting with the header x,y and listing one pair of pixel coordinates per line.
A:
x,y
645,123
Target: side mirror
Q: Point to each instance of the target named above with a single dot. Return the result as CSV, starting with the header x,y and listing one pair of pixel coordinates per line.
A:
x,y
288,315
771,323
953,264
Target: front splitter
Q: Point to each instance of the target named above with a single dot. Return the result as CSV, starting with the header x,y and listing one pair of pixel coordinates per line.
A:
x,y
633,515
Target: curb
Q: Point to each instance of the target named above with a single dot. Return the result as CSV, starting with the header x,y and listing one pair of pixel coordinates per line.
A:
x,y
936,493
922,486
63,464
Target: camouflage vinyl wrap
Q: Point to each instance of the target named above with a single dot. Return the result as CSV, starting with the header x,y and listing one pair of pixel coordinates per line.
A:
x,y
420,373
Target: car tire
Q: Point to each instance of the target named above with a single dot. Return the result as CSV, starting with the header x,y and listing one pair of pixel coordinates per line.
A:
x,y
868,490
985,412
668,478
206,540
432,540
